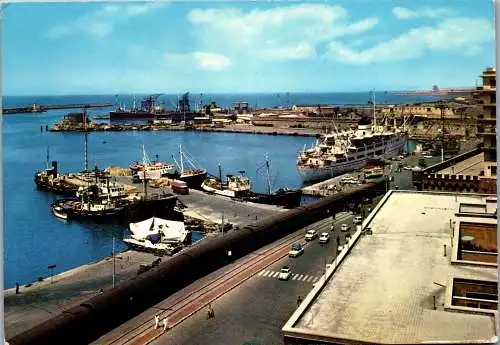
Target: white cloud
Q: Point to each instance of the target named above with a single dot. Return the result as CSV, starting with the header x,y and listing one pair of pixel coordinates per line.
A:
x,y
101,22
211,61
202,60
405,13
294,30
461,35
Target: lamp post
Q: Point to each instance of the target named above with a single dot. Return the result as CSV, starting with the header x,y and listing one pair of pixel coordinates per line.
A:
x,y
51,268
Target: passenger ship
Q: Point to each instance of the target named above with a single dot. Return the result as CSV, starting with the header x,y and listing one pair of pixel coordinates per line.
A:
x,y
342,152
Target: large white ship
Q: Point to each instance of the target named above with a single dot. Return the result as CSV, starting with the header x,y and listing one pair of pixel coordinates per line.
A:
x,y
340,152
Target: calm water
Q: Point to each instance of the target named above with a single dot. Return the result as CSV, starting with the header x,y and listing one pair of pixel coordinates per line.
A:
x,y
34,239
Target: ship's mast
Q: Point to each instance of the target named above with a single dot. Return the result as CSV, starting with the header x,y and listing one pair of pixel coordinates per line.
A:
x,y
86,163
268,176
48,158
180,153
220,175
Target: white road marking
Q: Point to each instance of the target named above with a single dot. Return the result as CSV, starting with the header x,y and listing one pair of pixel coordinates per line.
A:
x,y
261,272
295,276
300,277
315,279
275,274
266,273
310,278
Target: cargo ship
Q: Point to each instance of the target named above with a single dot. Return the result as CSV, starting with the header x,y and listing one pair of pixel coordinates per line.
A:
x,y
149,110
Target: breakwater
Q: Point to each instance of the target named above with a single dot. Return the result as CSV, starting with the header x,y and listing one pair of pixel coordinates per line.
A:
x,y
42,108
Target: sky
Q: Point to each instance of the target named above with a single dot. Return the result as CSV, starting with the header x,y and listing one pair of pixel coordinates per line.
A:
x,y
238,46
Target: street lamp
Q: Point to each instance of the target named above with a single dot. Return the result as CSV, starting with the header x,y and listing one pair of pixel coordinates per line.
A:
x,y
51,268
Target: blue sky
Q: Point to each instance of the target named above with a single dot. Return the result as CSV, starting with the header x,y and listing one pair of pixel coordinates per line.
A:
x,y
171,47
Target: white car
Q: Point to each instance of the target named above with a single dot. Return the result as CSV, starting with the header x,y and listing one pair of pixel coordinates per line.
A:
x,y
285,273
358,220
340,248
344,227
324,237
311,235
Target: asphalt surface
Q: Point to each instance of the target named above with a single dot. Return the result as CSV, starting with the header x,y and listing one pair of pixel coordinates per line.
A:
x,y
255,311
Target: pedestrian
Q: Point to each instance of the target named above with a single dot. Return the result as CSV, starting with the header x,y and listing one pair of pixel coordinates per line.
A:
x,y
157,321
299,301
211,313
165,322
17,288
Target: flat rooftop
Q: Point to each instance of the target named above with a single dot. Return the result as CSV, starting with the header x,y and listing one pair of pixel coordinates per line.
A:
x,y
472,166
383,290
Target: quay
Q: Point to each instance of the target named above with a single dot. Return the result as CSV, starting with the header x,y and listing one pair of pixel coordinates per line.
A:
x,y
42,108
138,294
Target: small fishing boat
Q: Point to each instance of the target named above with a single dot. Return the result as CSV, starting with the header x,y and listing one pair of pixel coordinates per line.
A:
x,y
234,186
282,197
193,176
152,170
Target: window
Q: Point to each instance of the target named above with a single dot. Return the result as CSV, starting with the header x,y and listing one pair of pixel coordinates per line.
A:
x,y
472,293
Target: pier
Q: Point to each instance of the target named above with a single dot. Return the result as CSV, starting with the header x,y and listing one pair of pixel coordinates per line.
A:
x,y
35,108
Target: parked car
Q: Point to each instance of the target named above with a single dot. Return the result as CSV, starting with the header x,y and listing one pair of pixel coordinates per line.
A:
x,y
340,248
358,220
348,238
296,250
311,235
285,273
344,227
324,237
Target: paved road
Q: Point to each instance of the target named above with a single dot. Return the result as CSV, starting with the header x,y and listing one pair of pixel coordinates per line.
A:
x,y
255,311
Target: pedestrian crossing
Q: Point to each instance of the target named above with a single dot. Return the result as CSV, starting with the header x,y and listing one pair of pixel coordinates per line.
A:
x,y
294,276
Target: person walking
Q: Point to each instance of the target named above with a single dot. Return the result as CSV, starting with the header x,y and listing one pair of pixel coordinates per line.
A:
x,y
211,313
299,301
165,322
157,320
17,288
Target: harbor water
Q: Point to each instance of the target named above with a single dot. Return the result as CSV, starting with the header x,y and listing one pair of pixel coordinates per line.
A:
x,y
34,239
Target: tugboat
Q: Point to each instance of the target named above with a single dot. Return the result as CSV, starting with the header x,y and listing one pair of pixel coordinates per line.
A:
x,y
234,187
193,177
282,197
50,181
91,205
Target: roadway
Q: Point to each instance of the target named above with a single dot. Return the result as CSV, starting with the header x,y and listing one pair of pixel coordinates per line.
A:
x,y
252,308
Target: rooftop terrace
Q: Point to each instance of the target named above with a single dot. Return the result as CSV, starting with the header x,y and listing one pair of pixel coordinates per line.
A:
x,y
383,291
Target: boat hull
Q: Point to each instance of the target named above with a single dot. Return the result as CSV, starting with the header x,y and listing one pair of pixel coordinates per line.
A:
x,y
124,211
45,184
287,198
124,115
309,174
224,191
194,181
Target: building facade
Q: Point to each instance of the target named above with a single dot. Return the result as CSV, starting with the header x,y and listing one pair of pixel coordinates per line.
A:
x,y
486,122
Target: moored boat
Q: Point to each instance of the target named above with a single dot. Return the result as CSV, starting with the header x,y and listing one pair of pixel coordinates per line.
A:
x,y
158,235
341,152
193,176
151,170
235,186
282,197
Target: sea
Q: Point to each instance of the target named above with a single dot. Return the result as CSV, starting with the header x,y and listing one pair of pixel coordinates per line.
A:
x,y
34,239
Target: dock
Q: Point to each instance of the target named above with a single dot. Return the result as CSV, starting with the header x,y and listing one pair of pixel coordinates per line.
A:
x,y
35,108
336,185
